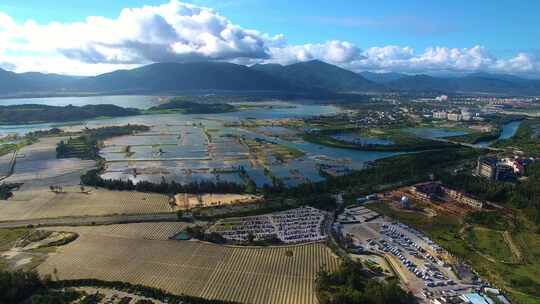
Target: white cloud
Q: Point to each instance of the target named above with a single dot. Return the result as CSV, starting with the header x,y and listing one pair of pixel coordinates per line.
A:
x,y
339,52
435,59
171,32
177,31
522,63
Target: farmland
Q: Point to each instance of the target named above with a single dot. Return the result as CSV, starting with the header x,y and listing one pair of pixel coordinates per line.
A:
x,y
243,274
43,203
147,231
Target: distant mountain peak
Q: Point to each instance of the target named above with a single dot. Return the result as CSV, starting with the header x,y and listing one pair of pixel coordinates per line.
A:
x,y
317,74
313,77
381,78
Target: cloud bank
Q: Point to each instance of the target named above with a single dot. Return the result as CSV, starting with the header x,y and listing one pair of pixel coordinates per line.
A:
x,y
178,31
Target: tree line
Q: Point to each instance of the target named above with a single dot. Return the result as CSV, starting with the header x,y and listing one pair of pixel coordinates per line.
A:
x,y
29,288
93,178
145,291
351,283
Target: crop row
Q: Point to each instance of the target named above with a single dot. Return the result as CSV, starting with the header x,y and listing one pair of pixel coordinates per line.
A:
x,y
249,275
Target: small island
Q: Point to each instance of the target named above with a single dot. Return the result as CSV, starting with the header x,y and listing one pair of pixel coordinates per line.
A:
x,y
181,105
34,113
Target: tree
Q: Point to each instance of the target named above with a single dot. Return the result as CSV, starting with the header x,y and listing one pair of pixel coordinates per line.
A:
x,y
180,214
250,238
352,284
15,287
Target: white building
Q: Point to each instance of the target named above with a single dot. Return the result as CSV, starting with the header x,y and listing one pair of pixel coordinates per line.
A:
x,y
466,116
454,116
440,115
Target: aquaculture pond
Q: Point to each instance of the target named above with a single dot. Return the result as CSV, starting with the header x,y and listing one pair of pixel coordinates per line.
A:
x,y
189,148
431,133
353,138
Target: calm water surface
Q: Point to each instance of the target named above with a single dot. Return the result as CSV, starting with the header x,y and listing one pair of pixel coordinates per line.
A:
x,y
168,127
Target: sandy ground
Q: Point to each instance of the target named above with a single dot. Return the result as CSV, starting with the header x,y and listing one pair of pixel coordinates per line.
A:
x,y
247,275
186,201
24,255
40,202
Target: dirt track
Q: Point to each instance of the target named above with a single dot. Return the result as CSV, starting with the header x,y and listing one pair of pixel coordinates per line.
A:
x,y
91,220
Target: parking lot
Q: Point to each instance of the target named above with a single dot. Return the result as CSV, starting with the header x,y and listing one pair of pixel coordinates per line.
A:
x,y
417,260
298,225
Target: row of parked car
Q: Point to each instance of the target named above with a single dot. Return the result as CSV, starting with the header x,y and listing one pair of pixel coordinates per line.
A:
x,y
398,243
394,232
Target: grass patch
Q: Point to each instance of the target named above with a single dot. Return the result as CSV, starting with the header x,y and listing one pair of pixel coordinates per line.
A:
x,y
491,220
489,242
8,237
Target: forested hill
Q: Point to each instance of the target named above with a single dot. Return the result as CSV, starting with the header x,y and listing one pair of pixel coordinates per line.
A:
x,y
174,77
11,83
24,114
181,105
473,83
320,75
312,78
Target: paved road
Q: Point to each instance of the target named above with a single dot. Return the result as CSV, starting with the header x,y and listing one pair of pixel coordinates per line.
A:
x,y
90,220
332,242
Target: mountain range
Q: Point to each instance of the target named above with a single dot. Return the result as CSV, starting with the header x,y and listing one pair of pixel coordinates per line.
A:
x,y
321,75
315,77
471,84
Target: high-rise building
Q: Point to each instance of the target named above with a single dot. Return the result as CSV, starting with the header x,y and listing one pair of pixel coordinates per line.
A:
x,y
486,167
491,168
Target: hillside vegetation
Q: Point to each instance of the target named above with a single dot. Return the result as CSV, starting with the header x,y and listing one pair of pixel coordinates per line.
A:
x,y
313,77
181,105
354,284
33,113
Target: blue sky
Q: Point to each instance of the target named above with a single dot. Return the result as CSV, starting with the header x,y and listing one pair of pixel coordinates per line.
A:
x,y
503,29
502,26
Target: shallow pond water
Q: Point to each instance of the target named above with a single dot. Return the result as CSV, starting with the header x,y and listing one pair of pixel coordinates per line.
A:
x,y
179,148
